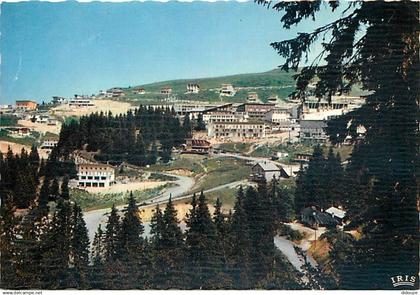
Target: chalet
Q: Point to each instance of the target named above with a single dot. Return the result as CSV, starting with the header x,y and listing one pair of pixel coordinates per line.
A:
x,y
58,100
314,218
302,157
166,90
197,146
193,88
336,213
267,170
227,90
236,130
95,175
18,131
139,91
26,105
252,97
115,92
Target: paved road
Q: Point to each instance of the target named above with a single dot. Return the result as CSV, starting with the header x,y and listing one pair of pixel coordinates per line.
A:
x,y
95,217
184,184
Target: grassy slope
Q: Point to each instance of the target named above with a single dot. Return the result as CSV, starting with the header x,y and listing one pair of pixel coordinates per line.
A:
x,y
209,87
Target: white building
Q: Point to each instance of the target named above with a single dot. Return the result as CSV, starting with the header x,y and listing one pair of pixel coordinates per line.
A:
x,y
279,117
193,88
252,97
49,143
80,101
212,117
95,175
236,130
265,170
227,90
166,90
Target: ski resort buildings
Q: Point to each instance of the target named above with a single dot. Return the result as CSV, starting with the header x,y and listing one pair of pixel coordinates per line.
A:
x,y
95,175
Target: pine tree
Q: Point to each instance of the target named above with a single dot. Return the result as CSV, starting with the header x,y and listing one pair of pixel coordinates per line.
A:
x,y
112,234
241,251
56,249
65,192
167,258
386,155
54,189
79,251
201,246
8,259
132,245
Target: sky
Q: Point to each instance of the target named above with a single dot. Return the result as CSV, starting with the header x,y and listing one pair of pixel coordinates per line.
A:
x,y
72,48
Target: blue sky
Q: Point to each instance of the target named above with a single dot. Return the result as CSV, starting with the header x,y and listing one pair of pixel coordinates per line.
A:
x,y
67,48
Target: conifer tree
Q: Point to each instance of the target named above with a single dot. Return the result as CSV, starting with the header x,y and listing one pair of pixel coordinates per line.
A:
x,y
79,251
201,246
56,249
112,233
241,251
65,192
8,259
132,245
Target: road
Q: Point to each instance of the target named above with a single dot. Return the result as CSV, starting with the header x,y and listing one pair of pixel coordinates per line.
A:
x,y
183,186
95,217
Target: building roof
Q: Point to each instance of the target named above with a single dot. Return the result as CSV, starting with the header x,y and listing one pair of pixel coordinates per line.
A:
x,y
25,101
95,165
239,123
317,217
199,142
268,166
335,212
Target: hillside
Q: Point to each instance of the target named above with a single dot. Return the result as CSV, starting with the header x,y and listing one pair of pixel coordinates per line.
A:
x,y
274,82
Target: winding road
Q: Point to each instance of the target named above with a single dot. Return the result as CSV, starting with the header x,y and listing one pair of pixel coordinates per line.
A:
x,y
184,185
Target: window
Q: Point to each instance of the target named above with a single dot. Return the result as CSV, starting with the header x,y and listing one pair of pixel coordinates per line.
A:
x,y
96,177
81,184
90,177
103,177
101,184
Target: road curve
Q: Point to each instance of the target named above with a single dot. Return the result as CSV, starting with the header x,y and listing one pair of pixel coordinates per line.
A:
x,y
95,217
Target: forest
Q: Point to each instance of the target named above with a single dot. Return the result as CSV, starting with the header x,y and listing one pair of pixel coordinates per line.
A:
x,y
138,137
48,247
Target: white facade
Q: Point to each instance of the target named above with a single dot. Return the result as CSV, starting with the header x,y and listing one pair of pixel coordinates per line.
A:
x,y
95,175
49,144
193,88
80,102
236,130
212,117
227,90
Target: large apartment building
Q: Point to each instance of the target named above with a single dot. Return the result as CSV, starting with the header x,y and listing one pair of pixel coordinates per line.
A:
x,y
255,111
95,175
236,130
27,105
313,131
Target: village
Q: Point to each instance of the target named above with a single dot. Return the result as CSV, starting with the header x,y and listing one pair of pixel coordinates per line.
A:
x,y
256,140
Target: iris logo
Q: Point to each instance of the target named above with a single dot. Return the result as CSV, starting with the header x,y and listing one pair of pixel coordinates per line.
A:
x,y
405,280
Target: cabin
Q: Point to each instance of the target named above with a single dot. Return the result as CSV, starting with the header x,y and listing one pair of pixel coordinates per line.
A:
x,y
336,213
166,90
267,170
197,146
314,218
